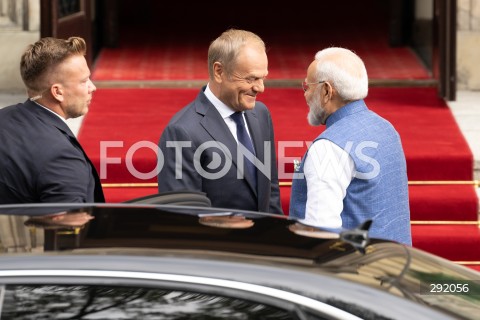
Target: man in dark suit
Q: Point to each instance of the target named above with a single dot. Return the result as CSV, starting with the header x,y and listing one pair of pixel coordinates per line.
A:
x,y
204,144
41,160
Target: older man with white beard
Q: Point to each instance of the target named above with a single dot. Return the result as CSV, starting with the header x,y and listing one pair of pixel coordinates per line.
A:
x,y
356,169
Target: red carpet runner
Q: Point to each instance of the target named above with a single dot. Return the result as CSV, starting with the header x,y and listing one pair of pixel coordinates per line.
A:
x,y
126,124
156,60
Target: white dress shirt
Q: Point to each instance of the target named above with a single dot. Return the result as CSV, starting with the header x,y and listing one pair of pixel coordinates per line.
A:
x,y
225,111
328,172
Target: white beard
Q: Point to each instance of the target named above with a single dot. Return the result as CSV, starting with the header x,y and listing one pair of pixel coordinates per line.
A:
x,y
317,114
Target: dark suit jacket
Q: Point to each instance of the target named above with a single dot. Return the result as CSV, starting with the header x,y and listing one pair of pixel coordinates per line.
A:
x,y
201,125
41,160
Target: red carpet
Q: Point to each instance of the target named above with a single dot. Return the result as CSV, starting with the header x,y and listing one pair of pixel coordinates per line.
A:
x,y
145,56
434,146
127,124
443,203
466,239
457,203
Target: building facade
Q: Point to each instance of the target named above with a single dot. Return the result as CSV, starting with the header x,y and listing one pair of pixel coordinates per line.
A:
x,y
20,25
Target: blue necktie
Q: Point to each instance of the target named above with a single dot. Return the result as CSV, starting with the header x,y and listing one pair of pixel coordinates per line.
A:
x,y
244,139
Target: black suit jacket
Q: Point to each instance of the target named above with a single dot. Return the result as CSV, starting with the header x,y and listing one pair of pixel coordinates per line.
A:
x,y
196,129
41,160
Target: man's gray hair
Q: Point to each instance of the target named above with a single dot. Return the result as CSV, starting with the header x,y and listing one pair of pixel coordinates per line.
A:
x,y
344,70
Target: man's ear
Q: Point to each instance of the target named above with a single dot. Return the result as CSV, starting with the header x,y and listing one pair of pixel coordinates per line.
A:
x,y
218,71
57,92
328,91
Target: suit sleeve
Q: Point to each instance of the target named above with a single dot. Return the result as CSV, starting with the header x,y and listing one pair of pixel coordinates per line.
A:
x,y
177,172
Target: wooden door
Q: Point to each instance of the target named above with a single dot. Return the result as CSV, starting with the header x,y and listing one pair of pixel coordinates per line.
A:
x,y
67,18
445,47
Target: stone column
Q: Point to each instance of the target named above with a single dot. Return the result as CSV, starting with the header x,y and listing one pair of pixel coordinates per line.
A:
x,y
468,44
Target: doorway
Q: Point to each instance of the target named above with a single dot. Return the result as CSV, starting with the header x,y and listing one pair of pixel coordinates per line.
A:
x,y
403,42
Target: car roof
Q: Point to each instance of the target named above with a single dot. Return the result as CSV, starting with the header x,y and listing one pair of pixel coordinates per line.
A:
x,y
264,250
181,227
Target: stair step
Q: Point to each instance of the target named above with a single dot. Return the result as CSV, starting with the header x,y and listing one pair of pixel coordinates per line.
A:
x,y
443,203
430,203
453,242
120,194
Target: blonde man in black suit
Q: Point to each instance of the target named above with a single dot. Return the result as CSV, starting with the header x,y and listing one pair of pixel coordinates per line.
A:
x,y
41,160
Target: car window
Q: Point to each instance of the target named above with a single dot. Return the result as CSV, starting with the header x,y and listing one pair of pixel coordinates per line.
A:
x,y
109,302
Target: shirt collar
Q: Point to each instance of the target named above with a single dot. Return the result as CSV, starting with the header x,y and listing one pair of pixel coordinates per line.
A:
x,y
38,104
224,110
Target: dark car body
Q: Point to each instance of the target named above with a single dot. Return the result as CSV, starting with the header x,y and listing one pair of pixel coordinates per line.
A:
x,y
142,261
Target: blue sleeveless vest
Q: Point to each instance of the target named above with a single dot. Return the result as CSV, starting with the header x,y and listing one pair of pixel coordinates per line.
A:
x,y
379,189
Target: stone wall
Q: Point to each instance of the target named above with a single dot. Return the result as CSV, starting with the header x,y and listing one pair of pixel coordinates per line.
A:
x,y
10,80
468,45
19,26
